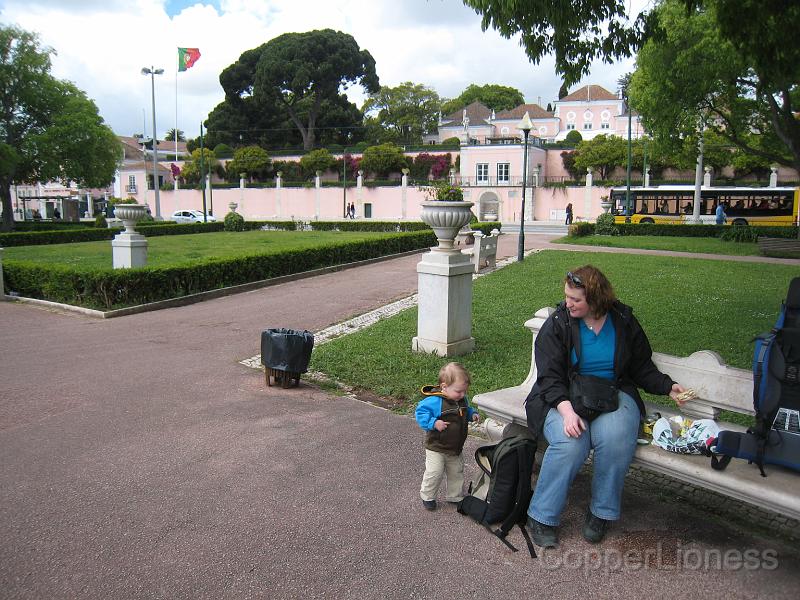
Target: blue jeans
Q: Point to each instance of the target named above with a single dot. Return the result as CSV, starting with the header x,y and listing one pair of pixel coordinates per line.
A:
x,y
613,437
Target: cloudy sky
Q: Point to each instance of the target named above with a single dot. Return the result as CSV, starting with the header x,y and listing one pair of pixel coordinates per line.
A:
x,y
102,46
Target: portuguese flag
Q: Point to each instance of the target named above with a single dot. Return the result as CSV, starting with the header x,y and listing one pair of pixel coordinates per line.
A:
x,y
187,57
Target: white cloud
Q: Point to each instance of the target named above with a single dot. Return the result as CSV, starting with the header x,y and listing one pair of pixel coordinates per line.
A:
x,y
103,45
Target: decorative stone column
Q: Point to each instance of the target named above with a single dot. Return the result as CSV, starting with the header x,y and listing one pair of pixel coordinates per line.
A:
x,y
587,194
707,176
89,206
2,289
360,193
278,183
773,176
129,249
444,318
316,196
647,177
242,185
404,195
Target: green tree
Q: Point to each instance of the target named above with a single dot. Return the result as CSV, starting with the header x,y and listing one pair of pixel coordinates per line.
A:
x,y
170,137
402,114
383,159
317,160
297,71
222,151
49,129
692,76
576,31
745,164
497,97
254,161
190,172
573,137
603,153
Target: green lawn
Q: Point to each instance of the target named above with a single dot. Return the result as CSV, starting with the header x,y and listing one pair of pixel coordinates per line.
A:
x,y
684,304
171,250
656,242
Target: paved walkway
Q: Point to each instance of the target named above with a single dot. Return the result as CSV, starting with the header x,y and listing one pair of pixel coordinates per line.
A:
x,y
141,460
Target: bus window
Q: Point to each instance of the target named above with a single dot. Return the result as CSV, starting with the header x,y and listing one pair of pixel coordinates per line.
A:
x,y
644,210
688,208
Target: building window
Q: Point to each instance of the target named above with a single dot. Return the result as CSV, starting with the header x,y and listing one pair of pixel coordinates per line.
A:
x,y
482,172
587,125
502,172
605,126
570,126
131,187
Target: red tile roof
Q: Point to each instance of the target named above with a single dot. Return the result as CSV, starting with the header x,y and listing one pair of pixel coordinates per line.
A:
x,y
534,111
588,93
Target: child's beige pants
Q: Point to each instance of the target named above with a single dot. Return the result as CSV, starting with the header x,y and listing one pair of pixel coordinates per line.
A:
x,y
436,466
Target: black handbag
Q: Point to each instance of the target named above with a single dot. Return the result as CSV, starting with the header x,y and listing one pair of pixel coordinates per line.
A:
x,y
591,396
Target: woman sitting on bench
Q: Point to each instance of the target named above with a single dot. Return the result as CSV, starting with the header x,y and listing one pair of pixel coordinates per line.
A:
x,y
591,356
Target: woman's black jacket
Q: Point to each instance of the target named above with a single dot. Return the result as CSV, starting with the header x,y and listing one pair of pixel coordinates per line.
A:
x,y
633,362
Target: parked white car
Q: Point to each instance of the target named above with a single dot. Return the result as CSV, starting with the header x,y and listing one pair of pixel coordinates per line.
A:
x,y
191,216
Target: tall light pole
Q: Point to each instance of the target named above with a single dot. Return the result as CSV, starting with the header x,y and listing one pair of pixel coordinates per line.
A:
x,y
525,127
153,72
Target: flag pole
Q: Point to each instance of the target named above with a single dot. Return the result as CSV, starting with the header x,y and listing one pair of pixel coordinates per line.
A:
x,y
177,67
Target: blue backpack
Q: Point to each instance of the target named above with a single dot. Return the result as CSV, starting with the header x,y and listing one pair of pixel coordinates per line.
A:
x,y
775,438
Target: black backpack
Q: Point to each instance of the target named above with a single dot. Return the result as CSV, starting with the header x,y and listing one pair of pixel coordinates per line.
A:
x,y
504,489
775,439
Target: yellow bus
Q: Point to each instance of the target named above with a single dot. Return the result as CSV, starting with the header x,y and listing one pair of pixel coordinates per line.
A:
x,y
674,204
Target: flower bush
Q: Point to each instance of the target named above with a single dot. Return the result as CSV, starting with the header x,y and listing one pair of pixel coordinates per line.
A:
x,y
444,191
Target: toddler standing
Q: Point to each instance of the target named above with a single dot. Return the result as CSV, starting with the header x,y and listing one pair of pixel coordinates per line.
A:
x,y
445,413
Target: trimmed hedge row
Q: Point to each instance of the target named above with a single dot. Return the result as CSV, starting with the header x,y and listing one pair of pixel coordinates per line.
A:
x,y
105,289
738,232
91,234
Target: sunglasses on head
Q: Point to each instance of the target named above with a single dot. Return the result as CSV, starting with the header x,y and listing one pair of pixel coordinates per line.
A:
x,y
574,279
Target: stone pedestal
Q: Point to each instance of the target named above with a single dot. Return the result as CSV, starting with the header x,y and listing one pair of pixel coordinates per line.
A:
x,y
129,250
444,321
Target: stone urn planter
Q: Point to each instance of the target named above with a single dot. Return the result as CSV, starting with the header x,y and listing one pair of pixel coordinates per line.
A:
x,y
129,214
606,203
233,206
446,218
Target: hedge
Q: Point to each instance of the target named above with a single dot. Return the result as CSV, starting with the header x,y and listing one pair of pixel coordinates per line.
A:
x,y
700,230
91,234
742,232
105,289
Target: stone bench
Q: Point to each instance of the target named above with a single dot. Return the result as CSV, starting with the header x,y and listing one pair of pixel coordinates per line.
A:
x,y
719,387
484,251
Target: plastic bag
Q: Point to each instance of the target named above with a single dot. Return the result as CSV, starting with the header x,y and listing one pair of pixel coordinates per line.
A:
x,y
690,440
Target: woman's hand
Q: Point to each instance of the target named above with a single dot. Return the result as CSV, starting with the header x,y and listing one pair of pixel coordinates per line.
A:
x,y
574,426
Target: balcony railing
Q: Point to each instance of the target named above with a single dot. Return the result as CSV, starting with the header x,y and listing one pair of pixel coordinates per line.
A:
x,y
511,181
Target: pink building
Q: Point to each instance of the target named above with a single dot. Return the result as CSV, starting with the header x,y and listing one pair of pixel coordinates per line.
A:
x,y
591,110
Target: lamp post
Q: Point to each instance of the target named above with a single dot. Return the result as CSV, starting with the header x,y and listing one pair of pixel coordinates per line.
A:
x,y
153,72
525,126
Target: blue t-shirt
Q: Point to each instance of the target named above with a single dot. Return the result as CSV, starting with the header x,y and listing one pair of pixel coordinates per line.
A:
x,y
597,351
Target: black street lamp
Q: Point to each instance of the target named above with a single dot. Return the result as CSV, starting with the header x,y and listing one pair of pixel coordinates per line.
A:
x,y
153,72
525,126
